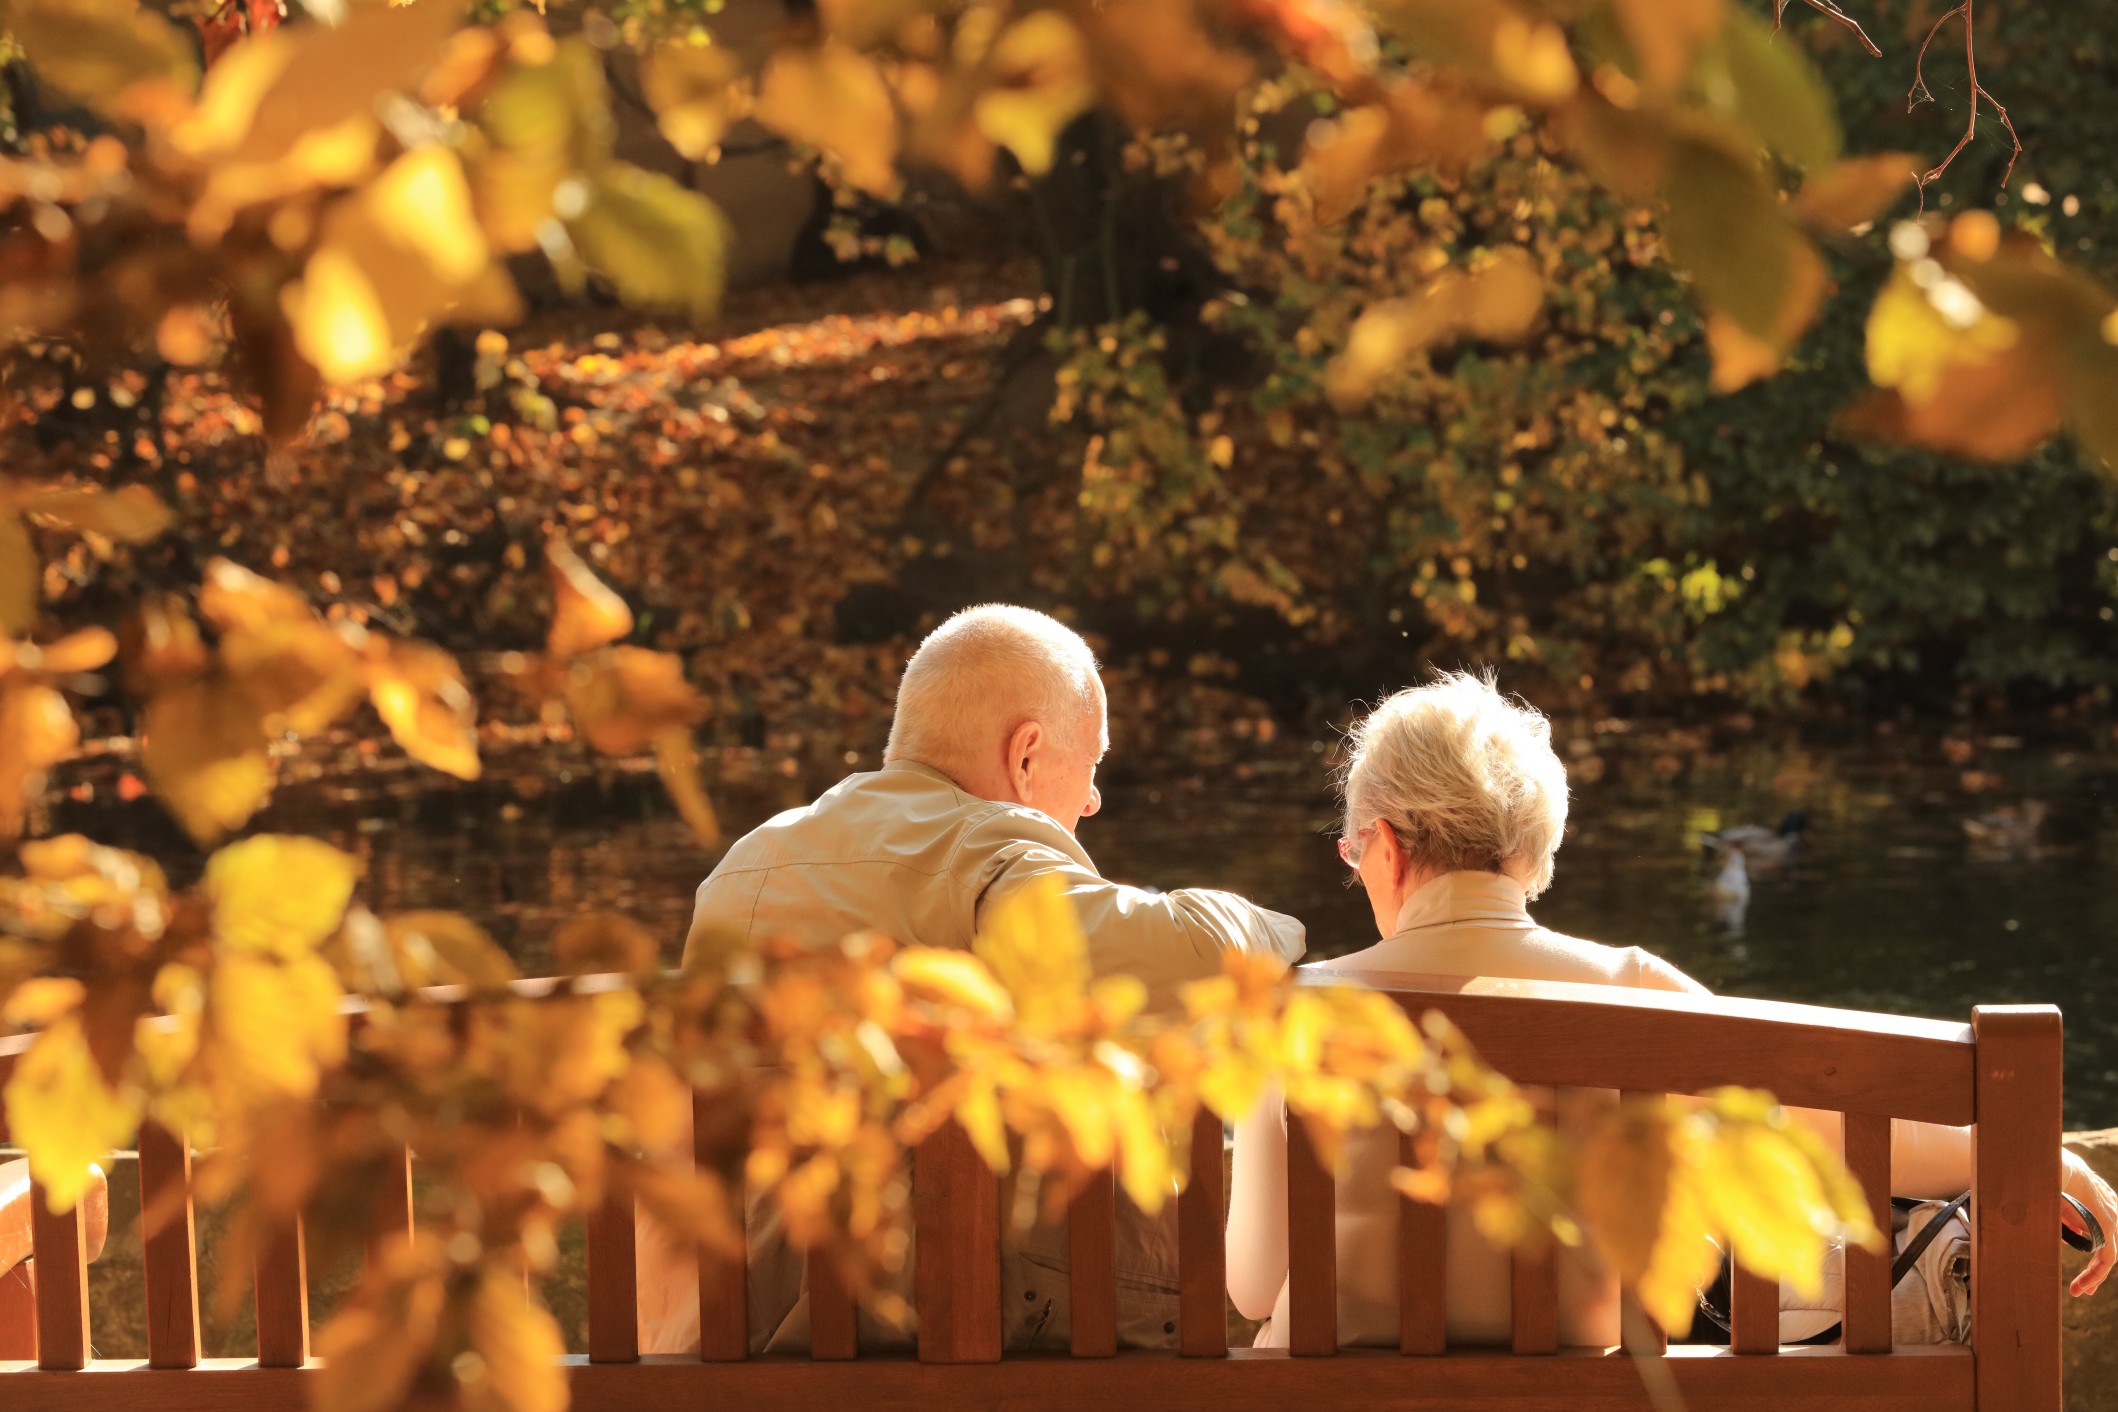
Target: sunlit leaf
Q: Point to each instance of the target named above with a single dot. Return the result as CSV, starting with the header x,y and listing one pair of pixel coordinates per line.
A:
x,y
278,894
1955,376
954,978
586,612
1724,228
132,514
1666,34
603,941
1856,190
519,1365
1522,55
1042,82
204,752
834,98
1497,299
654,1102
446,948
546,124
623,699
60,1109
1778,91
101,51
677,762
274,89
1030,938
37,731
1624,1184
1413,124
419,692
375,1342
658,242
1684,1259
1739,356
693,90
276,1023
162,645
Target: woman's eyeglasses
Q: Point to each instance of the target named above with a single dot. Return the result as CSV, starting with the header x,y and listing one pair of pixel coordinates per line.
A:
x,y
1350,849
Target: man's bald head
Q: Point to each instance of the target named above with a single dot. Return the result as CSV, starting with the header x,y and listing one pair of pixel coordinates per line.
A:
x,y
977,683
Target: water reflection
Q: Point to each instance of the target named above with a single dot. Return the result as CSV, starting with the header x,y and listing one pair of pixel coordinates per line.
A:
x,y
1887,905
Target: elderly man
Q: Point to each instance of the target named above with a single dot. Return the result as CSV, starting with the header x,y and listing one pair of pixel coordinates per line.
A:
x,y
991,766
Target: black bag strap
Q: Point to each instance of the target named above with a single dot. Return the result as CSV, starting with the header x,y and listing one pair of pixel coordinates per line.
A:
x,y
1917,1246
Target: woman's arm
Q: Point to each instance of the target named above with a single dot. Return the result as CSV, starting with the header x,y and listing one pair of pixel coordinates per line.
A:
x,y
1257,1209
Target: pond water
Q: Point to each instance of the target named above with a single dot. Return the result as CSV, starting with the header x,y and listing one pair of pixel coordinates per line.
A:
x,y
1888,906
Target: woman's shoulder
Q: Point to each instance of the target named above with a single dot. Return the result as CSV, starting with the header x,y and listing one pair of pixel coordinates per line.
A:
x,y
1597,964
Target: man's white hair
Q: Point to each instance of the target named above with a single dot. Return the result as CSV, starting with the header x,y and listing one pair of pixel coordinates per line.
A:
x,y
1465,777
983,673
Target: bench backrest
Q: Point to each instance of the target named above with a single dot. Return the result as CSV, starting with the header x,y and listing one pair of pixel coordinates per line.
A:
x,y
2001,1072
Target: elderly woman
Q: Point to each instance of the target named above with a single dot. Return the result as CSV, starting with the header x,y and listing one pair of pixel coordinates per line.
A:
x,y
1455,803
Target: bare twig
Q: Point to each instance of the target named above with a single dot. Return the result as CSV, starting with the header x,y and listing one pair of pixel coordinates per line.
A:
x,y
1826,7
1920,93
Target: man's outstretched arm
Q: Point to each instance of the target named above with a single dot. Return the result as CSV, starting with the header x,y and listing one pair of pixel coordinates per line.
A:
x,y
1164,938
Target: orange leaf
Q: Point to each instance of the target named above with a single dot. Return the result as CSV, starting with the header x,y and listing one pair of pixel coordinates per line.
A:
x,y
586,612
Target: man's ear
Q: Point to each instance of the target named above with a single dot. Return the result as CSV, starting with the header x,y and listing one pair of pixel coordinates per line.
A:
x,y
1022,747
1389,852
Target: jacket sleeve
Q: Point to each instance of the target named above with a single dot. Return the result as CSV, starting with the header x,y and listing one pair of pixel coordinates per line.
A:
x,y
1164,938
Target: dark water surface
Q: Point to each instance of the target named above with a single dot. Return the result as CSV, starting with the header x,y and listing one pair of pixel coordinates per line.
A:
x,y
1888,906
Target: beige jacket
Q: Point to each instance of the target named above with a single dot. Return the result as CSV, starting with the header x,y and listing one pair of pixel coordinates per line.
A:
x,y
905,852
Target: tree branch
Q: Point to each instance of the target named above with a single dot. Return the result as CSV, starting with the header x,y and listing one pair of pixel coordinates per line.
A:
x,y
1920,93
1826,7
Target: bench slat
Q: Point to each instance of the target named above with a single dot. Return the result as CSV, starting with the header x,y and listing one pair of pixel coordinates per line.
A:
x,y
281,1272
393,1206
1202,1258
1604,1037
1092,1266
1754,1312
18,1314
1642,1335
1312,1247
724,1284
2015,1207
613,1281
171,1252
1422,1268
1533,1286
956,1244
1867,1323
834,1319
61,1253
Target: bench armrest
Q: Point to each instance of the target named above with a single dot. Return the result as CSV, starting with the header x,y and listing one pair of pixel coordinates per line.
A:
x,y
15,1198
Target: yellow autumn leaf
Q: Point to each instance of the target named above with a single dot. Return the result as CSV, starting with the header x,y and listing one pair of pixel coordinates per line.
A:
x,y
1145,1166
1042,81
37,731
978,1111
1684,1259
519,1365
694,91
653,1101
1623,1185
446,948
834,98
204,752
603,941
1030,938
132,514
63,1113
374,1343
1498,299
623,699
275,1023
677,762
419,692
39,1002
586,612
1764,1193
1665,34
956,978
106,53
278,894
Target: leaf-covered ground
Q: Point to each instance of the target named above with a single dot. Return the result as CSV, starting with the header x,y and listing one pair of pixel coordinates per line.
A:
x,y
742,489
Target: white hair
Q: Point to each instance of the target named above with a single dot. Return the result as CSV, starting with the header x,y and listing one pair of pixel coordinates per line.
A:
x,y
985,672
1466,778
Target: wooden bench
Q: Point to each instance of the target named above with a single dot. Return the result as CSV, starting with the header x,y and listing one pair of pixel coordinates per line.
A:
x,y
2001,1072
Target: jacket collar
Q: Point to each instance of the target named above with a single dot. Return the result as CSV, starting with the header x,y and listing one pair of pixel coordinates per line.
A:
x,y
1484,899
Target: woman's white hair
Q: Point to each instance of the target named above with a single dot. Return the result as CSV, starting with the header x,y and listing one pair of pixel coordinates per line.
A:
x,y
1466,778
983,673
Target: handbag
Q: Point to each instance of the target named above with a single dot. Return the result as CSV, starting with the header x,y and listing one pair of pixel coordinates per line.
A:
x,y
1714,1299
